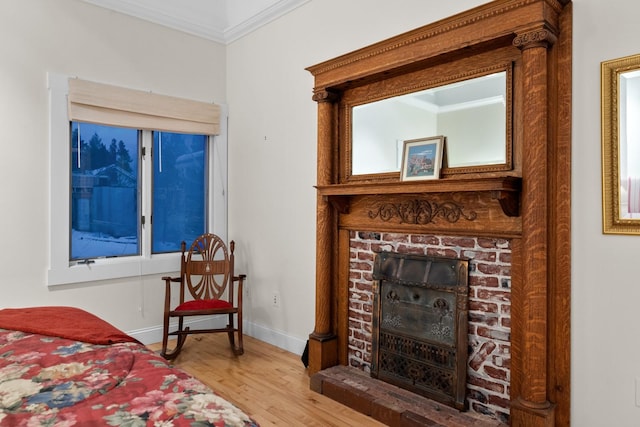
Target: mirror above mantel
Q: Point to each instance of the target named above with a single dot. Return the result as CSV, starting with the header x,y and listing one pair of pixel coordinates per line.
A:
x,y
473,114
470,101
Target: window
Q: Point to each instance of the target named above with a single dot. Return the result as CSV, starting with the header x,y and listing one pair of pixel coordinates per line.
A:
x,y
104,191
179,189
132,175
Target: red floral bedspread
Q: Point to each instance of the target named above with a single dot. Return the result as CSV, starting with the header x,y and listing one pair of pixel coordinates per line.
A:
x,y
53,381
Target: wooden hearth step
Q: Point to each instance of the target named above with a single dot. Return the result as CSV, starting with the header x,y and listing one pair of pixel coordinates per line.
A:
x,y
389,404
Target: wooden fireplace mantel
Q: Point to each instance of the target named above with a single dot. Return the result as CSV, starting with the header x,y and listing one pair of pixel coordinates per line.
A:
x,y
506,190
528,202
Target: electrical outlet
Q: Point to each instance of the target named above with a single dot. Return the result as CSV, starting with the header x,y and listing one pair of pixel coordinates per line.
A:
x,y
275,299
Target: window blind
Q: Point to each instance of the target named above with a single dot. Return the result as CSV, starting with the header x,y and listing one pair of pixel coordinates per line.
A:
x,y
117,106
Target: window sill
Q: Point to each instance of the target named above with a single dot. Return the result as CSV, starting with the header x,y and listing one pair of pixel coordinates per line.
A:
x,y
113,268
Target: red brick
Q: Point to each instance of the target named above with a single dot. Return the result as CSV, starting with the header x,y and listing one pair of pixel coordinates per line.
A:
x,y
361,336
486,384
315,382
487,243
493,334
492,295
395,238
483,306
379,247
362,266
354,325
441,252
411,419
361,316
362,286
486,268
487,281
369,235
484,319
387,412
353,398
480,356
413,250
461,242
360,245
425,240
355,305
497,373
502,362
366,256
480,256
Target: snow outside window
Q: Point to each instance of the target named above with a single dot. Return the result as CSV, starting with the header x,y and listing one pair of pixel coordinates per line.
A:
x,y
123,199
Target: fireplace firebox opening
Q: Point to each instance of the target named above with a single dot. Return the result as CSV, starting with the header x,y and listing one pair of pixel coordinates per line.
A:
x,y
419,339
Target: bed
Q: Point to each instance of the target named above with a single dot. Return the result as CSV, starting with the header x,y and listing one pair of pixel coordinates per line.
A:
x,y
62,366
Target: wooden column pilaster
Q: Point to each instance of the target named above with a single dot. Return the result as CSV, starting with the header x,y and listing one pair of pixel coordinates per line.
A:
x,y
323,345
530,404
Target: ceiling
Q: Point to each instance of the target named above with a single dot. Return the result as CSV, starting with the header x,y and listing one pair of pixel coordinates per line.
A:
x,y
222,21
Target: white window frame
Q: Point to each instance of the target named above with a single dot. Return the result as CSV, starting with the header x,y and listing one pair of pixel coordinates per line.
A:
x,y
61,270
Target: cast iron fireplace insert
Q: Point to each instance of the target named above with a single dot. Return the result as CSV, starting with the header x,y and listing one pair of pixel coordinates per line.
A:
x,y
420,325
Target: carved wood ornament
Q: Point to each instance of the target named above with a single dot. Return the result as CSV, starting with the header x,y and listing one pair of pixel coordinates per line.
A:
x,y
526,200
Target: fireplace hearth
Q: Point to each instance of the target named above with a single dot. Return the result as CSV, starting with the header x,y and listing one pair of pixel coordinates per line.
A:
x,y
419,339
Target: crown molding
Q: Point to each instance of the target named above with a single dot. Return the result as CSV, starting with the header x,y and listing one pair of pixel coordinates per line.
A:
x,y
256,21
183,22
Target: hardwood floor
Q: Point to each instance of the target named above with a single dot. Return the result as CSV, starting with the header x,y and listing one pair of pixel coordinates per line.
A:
x,y
268,383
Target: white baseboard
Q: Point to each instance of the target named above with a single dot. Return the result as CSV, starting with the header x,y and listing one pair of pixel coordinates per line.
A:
x,y
277,338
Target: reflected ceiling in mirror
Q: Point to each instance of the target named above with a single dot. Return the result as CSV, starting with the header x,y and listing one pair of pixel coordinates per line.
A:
x,y
471,114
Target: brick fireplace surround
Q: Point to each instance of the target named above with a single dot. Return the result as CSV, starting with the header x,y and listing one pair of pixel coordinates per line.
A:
x,y
489,307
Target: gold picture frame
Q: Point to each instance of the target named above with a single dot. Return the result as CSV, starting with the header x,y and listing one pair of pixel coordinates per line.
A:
x,y
422,158
620,84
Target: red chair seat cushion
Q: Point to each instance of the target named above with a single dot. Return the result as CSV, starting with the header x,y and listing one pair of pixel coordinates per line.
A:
x,y
203,304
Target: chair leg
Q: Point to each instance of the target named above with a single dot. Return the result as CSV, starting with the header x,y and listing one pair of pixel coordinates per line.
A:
x,y
237,350
165,336
240,348
180,339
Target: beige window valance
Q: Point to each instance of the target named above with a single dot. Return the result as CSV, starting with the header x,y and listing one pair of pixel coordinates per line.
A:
x,y
117,106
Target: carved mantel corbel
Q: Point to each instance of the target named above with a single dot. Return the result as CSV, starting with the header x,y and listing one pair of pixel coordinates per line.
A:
x,y
325,95
540,37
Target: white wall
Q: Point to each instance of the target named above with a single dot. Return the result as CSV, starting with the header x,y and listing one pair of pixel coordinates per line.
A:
x,y
74,38
272,146
605,340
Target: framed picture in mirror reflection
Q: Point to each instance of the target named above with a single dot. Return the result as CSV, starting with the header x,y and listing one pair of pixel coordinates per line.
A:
x,y
422,158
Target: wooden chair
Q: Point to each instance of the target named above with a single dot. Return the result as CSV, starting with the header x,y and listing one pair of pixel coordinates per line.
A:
x,y
206,275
